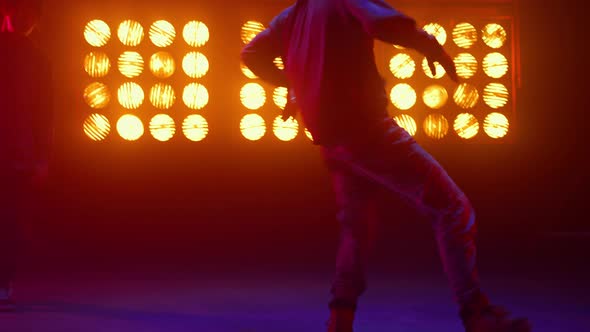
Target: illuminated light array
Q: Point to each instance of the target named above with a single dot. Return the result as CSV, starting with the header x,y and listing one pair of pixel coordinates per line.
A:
x,y
195,128
402,66
496,125
253,96
97,95
436,126
440,71
495,95
403,96
97,127
97,64
247,72
130,33
466,65
250,29
253,127
279,97
495,65
466,125
494,35
195,33
162,127
464,35
466,95
195,96
162,96
130,95
407,122
279,63
130,127
195,65
162,33
97,33
435,96
285,130
437,31
162,65
130,64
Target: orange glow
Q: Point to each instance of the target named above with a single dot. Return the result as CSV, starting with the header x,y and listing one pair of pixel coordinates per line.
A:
x,y
495,95
162,127
436,126
308,134
97,95
494,35
466,95
195,65
130,33
247,72
97,127
464,35
130,64
130,127
162,65
440,71
196,34
402,66
279,96
162,96
496,125
162,33
495,65
437,31
403,96
97,64
130,95
279,63
253,127
285,130
435,96
466,65
195,96
195,127
97,33
466,125
250,29
407,122
253,96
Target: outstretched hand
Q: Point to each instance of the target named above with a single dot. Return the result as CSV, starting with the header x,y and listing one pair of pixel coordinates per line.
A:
x,y
442,57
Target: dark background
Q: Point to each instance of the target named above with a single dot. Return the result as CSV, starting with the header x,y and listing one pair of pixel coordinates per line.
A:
x,y
228,204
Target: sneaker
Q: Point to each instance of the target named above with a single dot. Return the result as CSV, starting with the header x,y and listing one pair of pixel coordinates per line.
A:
x,y
493,319
341,320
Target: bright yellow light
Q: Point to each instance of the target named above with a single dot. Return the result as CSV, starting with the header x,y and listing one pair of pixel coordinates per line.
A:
x,y
97,33
130,95
195,127
130,64
250,29
162,96
130,33
402,66
466,95
279,96
403,96
195,33
437,31
279,63
162,33
466,125
495,95
436,126
162,127
494,35
247,72
195,65
252,127
285,130
130,127
407,122
466,65
495,65
97,127
496,125
440,71
253,96
97,95
195,96
162,65
97,64
308,134
464,35
435,96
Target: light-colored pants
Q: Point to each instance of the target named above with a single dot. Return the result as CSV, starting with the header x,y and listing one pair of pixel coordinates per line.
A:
x,y
393,163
